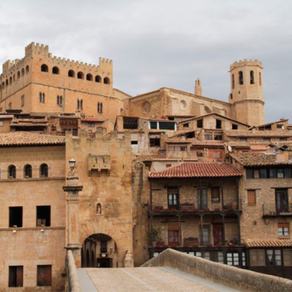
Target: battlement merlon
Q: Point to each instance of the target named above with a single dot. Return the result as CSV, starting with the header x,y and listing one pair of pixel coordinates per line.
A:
x,y
246,62
36,49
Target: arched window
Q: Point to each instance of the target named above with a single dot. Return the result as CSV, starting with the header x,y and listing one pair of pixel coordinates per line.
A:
x,y
18,74
97,78
233,81
106,80
260,79
10,80
251,77
71,73
240,77
27,69
98,209
80,75
27,171
55,70
6,82
22,72
89,77
44,170
11,171
44,68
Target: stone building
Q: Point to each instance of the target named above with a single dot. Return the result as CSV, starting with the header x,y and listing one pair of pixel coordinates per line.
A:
x,y
163,169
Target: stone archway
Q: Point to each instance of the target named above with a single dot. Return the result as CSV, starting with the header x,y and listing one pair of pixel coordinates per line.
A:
x,y
99,251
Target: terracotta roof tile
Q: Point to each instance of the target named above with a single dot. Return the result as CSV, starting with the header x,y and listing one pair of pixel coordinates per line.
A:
x,y
196,169
258,159
27,138
272,133
269,243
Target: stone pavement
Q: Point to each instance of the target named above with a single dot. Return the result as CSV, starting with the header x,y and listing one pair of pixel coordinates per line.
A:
x,y
158,279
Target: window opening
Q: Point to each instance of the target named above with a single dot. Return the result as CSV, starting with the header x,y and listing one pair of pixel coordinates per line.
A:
x,y
240,77
44,68
27,69
202,198
80,75
199,123
251,77
153,125
27,171
154,142
44,275
97,78
283,229
11,171
274,257
233,258
89,77
15,276
15,216
42,97
205,234
282,200
44,170
55,70
173,198
22,100
218,124
59,100
106,80
215,194
257,257
186,125
99,107
98,209
249,173
43,216
71,73
233,81
234,127
260,78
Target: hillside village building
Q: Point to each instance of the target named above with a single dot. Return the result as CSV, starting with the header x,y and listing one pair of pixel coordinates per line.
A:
x,y
163,169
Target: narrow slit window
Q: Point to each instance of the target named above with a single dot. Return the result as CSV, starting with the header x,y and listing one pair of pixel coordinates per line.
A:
x,y
251,77
240,77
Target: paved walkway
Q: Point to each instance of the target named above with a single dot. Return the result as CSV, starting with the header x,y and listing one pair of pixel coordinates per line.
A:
x,y
158,279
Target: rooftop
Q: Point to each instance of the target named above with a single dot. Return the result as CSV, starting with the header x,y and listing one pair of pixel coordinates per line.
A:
x,y
269,243
270,133
196,169
28,138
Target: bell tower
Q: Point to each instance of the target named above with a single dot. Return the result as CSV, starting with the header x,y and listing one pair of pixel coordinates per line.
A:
x,y
246,95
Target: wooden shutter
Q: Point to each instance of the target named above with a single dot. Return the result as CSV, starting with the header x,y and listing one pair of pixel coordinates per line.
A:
x,y
251,197
44,277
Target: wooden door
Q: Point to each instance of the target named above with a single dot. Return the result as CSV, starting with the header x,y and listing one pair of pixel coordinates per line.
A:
x,y
218,234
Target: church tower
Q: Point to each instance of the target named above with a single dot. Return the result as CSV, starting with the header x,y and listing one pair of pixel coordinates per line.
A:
x,y
198,87
246,94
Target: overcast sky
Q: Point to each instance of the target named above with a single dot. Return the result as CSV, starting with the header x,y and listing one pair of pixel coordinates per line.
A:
x,y
162,43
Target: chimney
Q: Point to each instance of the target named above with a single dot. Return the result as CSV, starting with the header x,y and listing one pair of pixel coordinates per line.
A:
x,y
198,88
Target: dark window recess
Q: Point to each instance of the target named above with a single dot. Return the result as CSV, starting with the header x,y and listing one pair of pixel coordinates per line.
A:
x,y
130,123
11,171
251,77
15,276
44,170
59,100
44,275
280,126
218,136
103,246
267,127
154,142
186,125
190,135
249,173
99,107
183,148
240,77
218,124
234,127
202,198
215,194
199,123
282,203
208,136
173,198
44,68
166,126
75,132
153,125
27,171
43,216
263,173
134,142
15,216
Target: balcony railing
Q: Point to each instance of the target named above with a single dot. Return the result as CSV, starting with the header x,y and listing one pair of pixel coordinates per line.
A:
x,y
274,212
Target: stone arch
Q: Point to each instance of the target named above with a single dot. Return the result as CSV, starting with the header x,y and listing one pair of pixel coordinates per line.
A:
x,y
71,73
44,68
106,80
97,78
89,77
55,70
80,75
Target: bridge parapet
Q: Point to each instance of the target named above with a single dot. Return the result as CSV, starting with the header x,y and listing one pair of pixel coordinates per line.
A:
x,y
72,281
233,277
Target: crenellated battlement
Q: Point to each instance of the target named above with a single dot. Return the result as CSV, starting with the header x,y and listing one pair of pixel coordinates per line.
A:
x,y
36,49
246,62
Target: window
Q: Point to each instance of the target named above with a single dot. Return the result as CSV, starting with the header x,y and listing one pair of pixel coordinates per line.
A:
x,y
44,170
249,173
260,78
103,246
240,77
234,127
274,257
287,257
59,100
55,70
232,258
186,125
15,216
134,142
99,108
44,275
27,171
42,97
15,276
208,136
233,82
173,234
43,216
22,100
71,73
173,198
251,197
202,198
283,228
218,124
106,80
154,142
97,79
205,234
27,69
251,77
80,104
215,194
44,68
153,125
263,173
199,123
257,257
282,200
280,126
90,125
11,171
89,77
167,125
80,75
218,136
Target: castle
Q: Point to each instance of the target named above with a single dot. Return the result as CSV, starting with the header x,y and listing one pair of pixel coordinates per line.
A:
x,y
163,169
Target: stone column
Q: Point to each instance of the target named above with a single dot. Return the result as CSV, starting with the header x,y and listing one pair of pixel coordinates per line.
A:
x,y
72,216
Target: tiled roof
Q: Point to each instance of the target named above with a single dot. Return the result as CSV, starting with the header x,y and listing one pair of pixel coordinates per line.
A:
x,y
27,138
91,120
196,169
258,159
272,133
269,243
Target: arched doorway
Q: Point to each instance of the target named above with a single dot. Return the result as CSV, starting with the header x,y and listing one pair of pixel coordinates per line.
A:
x,y
99,251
